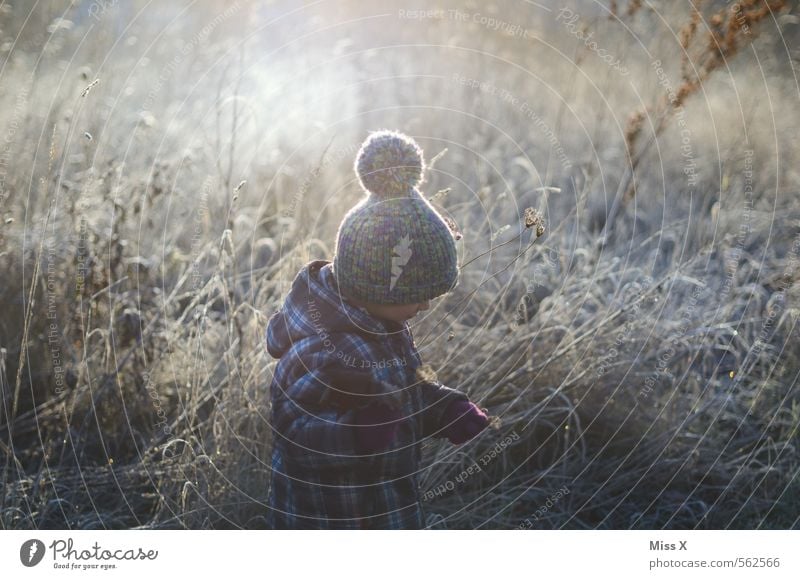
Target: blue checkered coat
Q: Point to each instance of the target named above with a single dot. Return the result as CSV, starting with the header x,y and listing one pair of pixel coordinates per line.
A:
x,y
333,359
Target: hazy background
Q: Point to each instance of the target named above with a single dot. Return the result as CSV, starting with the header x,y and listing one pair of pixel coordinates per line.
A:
x,y
167,167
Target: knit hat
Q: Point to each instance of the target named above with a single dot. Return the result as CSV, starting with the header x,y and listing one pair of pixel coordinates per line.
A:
x,y
393,247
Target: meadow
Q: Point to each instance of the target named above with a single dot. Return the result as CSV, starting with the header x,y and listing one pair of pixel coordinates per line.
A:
x,y
166,169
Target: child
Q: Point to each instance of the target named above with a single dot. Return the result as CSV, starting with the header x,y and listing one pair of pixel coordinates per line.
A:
x,y
348,411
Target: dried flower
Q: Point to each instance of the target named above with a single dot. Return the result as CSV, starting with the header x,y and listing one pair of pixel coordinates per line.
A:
x,y
530,217
533,218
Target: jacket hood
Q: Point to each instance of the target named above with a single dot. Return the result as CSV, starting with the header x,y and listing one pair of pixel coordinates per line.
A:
x,y
314,307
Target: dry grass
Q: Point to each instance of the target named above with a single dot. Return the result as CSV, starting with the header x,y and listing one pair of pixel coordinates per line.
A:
x,y
654,375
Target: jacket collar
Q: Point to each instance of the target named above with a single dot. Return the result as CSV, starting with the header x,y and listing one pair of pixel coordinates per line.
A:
x,y
315,304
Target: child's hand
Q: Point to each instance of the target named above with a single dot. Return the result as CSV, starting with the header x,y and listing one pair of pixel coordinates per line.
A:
x,y
378,424
463,421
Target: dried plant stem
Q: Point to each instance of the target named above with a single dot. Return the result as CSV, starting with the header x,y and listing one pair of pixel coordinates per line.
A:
x,y
27,324
480,285
491,249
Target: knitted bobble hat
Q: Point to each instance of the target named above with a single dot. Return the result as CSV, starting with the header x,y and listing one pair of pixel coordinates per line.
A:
x,y
393,247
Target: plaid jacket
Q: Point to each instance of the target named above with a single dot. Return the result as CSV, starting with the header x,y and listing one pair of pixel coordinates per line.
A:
x,y
333,359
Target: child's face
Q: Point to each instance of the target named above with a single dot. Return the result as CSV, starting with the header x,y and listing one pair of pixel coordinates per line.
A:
x,y
396,313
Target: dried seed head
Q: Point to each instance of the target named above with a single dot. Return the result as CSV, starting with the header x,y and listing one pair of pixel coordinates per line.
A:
x,y
633,128
425,373
634,7
453,227
440,192
530,217
533,218
89,88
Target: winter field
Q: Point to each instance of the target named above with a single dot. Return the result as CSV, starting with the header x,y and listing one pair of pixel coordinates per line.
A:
x,y
167,167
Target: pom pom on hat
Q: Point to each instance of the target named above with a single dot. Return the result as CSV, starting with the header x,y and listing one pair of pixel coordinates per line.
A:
x,y
389,164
